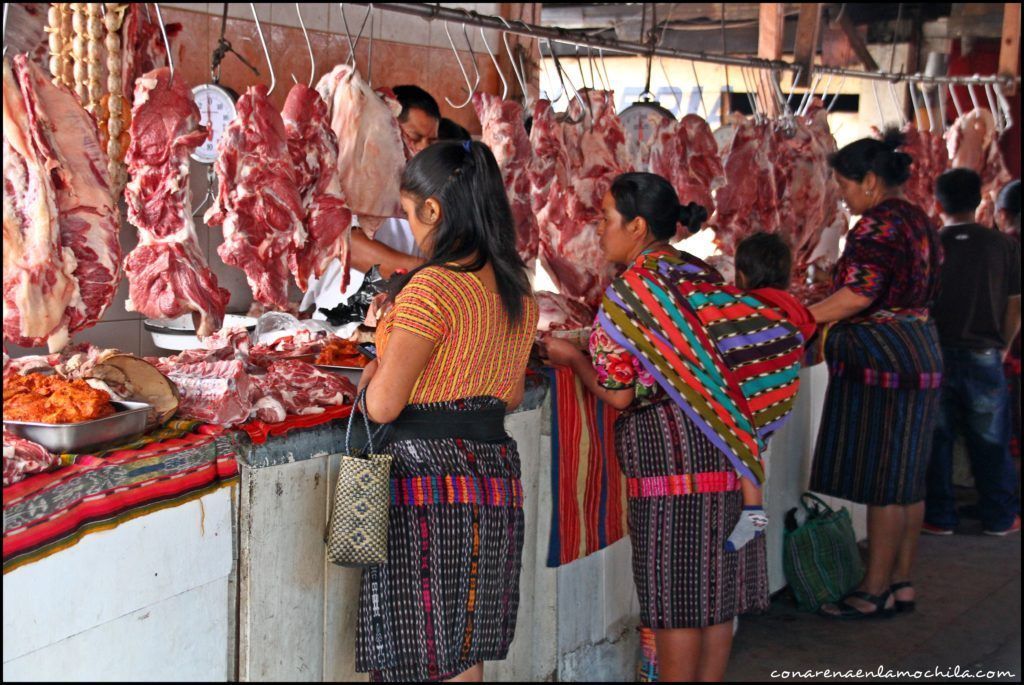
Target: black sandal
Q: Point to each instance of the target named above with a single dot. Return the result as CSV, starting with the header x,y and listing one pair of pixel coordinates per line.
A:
x,y
903,607
848,612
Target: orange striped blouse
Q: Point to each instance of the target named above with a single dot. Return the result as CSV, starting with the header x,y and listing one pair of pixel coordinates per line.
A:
x,y
478,351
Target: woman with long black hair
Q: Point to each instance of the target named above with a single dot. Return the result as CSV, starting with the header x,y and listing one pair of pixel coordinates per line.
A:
x,y
452,360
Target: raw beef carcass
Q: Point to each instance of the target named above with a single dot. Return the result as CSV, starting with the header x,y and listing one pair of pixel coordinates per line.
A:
x,y
258,202
23,457
748,202
638,146
370,150
595,153
143,48
561,313
973,142
211,391
686,154
48,133
314,150
167,274
929,163
823,251
504,132
801,184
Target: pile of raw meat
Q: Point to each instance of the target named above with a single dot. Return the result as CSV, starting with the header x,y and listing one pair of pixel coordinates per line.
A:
x,y
167,273
230,381
973,142
61,251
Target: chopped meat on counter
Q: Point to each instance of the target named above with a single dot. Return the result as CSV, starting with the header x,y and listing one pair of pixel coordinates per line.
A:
x,y
61,250
371,155
314,150
51,399
258,202
211,391
301,388
23,458
505,133
167,273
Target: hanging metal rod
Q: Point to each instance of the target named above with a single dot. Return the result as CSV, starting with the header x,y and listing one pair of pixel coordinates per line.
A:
x,y
436,12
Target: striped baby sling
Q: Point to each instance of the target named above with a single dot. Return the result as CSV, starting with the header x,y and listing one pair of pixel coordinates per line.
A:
x,y
730,361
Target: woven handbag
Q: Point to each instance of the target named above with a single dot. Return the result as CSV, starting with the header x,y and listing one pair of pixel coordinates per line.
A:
x,y
820,558
357,531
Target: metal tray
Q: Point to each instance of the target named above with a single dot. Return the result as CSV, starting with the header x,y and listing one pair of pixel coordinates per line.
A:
x,y
129,419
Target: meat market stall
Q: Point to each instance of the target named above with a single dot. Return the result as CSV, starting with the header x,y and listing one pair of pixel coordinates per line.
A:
x,y
161,180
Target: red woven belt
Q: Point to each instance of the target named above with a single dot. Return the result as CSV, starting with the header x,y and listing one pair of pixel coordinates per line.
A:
x,y
683,484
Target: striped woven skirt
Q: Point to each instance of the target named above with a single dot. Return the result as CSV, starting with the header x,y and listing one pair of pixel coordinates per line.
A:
x,y
684,500
448,595
880,410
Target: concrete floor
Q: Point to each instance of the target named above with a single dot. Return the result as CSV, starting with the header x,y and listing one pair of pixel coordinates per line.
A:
x,y
968,615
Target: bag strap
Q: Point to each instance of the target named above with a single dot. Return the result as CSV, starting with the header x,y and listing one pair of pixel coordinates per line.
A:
x,y
820,506
360,406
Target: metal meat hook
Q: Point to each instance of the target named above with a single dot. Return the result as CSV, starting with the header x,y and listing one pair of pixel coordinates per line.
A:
x,y
266,53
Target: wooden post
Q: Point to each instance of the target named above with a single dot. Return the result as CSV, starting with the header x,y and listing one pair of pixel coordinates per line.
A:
x,y
1009,47
770,25
807,26
857,43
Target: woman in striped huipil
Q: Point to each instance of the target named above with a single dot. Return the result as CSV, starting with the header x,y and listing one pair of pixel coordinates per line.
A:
x,y
704,373
885,369
452,360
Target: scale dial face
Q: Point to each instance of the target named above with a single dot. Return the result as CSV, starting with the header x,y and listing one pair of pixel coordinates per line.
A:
x,y
216,110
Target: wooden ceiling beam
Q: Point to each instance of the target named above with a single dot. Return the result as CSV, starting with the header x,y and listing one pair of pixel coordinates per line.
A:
x,y
857,43
1009,47
808,26
770,25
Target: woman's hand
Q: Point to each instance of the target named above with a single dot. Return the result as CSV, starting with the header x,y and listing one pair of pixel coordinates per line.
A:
x,y
562,352
368,372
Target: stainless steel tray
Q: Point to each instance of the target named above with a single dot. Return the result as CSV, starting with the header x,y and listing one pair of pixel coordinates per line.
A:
x,y
129,420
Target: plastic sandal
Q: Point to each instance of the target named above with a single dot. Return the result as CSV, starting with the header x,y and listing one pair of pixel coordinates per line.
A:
x,y
901,606
848,612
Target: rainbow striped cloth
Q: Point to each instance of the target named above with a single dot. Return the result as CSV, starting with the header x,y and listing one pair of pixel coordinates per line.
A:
x,y
589,508
729,361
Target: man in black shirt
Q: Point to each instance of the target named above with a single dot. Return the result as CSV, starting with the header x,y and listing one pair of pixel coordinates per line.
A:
x,y
980,275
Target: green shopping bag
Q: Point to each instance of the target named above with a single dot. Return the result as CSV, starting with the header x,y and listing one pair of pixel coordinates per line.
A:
x,y
820,558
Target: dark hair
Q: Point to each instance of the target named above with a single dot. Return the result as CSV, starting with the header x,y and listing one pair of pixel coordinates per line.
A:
x,y
855,160
958,190
414,97
449,130
652,197
476,218
1009,199
765,261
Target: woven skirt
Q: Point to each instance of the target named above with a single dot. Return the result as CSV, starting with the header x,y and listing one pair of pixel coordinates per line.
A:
x,y
684,500
448,595
880,411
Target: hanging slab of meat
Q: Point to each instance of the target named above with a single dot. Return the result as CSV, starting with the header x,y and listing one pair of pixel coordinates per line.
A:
x,y
314,150
64,142
748,202
504,132
38,282
686,154
974,143
371,155
822,250
23,458
167,274
801,186
639,147
929,163
595,151
258,202
143,47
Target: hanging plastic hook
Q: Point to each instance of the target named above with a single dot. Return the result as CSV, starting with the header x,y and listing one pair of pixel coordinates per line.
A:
x,y
547,73
974,96
896,103
266,53
494,61
5,29
996,114
471,86
835,97
1004,104
163,34
928,108
878,104
309,46
956,101
915,107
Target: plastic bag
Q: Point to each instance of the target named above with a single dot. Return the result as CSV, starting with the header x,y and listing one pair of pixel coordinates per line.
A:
x,y
357,307
274,325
